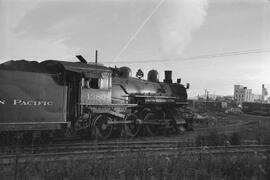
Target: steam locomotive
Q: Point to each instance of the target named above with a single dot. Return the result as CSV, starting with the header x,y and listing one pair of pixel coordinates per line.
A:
x,y
90,99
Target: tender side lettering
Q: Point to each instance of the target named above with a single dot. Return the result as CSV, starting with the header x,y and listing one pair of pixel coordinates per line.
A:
x,y
19,102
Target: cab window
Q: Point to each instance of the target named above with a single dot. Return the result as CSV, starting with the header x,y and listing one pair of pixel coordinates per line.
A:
x,y
93,83
105,82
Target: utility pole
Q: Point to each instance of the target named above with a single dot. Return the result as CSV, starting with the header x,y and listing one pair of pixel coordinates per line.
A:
x,y
96,57
205,91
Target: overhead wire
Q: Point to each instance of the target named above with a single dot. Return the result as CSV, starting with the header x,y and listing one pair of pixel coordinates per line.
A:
x,y
139,29
205,56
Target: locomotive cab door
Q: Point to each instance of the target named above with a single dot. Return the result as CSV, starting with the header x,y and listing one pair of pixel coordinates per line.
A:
x,y
73,82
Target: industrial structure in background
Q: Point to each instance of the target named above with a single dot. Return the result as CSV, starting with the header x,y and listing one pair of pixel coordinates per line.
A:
x,y
243,94
243,100
252,103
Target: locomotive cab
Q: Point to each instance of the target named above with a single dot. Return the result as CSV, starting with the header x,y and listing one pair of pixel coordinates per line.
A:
x,y
87,84
96,88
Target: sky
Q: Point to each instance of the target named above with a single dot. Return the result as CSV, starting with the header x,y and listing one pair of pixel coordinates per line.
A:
x,y
211,44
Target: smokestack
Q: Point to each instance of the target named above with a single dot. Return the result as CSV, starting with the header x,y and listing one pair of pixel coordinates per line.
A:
x,y
168,77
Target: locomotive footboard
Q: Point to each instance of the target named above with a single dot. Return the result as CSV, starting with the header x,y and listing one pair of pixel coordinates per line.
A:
x,y
33,126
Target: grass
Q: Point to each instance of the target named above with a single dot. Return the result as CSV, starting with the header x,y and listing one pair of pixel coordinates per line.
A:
x,y
259,132
142,167
213,138
251,128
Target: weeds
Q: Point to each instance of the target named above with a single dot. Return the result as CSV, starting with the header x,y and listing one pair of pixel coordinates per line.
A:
x,y
144,167
212,139
235,139
262,134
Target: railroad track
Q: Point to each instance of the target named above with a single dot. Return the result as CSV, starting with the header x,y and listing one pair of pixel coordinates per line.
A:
x,y
186,139
174,145
123,149
93,146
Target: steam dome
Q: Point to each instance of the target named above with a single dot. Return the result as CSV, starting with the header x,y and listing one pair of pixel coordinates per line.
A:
x,y
125,72
153,76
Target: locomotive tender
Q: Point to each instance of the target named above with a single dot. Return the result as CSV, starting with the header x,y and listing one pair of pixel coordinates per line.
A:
x,y
58,96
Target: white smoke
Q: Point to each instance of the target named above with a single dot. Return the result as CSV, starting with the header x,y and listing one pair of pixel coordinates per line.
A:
x,y
179,18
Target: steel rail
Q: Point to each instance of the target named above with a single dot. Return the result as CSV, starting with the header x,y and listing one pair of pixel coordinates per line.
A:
x,y
114,153
92,146
187,139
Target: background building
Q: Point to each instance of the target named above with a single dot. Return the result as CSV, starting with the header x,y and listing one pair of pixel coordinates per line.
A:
x,y
243,94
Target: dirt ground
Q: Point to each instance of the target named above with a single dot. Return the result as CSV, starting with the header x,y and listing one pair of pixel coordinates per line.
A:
x,y
249,127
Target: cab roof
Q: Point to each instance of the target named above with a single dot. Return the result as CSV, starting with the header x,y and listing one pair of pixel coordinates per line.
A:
x,y
52,66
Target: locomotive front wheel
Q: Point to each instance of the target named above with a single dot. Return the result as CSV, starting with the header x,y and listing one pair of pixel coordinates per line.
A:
x,y
102,130
151,130
132,129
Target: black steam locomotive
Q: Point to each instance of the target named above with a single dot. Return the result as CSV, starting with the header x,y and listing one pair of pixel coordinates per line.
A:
x,y
91,99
